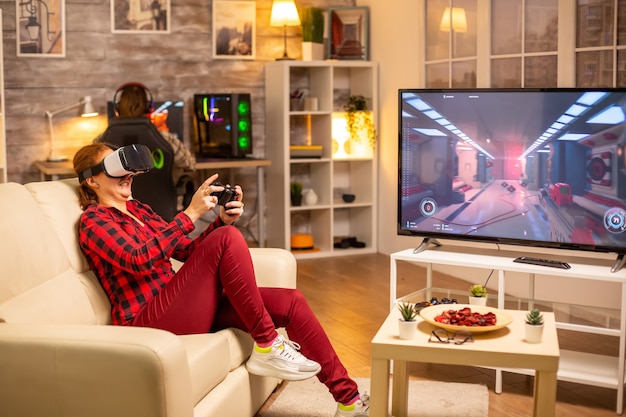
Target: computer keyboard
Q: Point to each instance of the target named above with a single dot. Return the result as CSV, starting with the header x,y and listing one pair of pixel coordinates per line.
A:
x,y
542,262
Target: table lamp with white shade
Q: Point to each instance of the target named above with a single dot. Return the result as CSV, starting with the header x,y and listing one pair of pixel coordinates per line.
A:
x,y
85,109
284,13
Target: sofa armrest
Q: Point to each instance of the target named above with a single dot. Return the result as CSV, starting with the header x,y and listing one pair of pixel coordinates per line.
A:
x,y
96,371
274,267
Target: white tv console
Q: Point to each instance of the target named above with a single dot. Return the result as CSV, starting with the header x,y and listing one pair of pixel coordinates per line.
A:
x,y
578,367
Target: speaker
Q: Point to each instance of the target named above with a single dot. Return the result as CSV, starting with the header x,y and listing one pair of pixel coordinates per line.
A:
x,y
149,100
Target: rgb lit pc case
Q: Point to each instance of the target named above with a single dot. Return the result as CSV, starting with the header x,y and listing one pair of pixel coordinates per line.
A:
x,y
223,124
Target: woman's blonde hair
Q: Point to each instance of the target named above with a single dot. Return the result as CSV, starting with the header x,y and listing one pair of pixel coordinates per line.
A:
x,y
87,157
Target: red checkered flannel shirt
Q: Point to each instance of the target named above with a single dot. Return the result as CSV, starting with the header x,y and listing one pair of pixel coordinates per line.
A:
x,y
132,262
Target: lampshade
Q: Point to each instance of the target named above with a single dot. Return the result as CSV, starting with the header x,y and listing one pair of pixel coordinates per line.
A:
x,y
85,109
284,13
458,20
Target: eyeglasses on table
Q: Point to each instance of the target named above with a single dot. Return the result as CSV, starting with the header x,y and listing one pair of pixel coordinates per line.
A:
x,y
458,337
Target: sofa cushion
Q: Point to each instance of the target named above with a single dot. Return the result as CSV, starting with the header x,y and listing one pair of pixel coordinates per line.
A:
x,y
212,356
58,200
209,361
60,300
30,251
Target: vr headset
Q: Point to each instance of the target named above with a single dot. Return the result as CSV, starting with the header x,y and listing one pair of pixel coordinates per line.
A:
x,y
127,160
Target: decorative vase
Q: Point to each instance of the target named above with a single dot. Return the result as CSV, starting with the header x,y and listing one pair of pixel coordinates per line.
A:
x,y
309,197
478,301
534,333
407,329
312,51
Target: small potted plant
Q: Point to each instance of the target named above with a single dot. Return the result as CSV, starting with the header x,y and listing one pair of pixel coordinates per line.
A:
x,y
296,193
360,120
312,19
534,326
478,295
407,323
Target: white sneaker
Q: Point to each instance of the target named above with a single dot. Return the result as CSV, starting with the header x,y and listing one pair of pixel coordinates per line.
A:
x,y
361,408
282,360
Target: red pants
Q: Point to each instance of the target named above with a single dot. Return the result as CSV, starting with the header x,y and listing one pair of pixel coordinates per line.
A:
x,y
216,288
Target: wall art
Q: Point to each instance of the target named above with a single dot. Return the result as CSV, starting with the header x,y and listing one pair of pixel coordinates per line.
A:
x,y
348,33
40,27
140,16
234,29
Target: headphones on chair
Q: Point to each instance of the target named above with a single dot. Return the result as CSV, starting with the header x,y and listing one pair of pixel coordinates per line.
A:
x,y
149,100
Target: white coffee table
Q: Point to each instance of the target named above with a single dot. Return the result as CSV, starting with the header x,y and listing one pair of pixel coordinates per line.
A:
x,y
504,348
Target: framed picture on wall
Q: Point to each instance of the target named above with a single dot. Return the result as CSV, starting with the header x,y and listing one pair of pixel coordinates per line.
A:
x,y
40,27
140,16
348,33
234,29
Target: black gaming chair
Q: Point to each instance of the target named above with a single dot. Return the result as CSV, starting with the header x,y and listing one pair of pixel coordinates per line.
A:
x,y
156,187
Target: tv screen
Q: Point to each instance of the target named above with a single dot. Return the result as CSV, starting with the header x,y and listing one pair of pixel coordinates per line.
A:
x,y
536,167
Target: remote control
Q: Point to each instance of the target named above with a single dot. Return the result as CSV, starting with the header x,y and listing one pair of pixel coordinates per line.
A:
x,y
542,262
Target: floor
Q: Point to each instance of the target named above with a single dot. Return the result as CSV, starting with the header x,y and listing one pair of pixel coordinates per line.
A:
x,y
350,296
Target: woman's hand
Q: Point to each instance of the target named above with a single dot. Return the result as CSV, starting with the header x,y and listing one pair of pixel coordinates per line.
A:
x,y
202,200
230,212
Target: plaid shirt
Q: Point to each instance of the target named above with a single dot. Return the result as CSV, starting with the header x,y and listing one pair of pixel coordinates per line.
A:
x,y
132,262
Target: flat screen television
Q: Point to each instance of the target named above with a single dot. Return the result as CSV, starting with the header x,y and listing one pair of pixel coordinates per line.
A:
x,y
534,167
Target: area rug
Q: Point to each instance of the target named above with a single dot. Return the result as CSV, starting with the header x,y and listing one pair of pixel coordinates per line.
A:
x,y
311,398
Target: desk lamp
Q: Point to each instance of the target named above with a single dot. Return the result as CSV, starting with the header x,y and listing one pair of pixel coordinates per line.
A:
x,y
284,13
86,109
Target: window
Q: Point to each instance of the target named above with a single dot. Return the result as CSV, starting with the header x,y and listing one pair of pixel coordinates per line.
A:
x,y
451,45
601,43
524,43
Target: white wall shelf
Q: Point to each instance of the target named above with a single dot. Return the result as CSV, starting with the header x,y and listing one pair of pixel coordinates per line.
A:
x,y
330,219
578,367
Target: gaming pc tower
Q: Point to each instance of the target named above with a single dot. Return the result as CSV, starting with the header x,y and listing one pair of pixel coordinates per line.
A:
x,y
223,124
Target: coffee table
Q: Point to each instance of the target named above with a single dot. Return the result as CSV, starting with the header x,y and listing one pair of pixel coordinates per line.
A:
x,y
503,348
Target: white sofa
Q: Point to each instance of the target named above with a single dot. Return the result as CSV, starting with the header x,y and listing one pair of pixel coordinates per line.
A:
x,y
59,355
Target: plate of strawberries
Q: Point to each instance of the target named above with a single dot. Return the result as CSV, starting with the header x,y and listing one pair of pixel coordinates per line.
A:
x,y
476,319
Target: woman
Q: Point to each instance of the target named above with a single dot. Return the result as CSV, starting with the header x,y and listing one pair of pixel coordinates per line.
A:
x,y
128,246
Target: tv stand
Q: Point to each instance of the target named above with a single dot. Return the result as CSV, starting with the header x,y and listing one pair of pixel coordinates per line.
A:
x,y
425,243
619,263
574,366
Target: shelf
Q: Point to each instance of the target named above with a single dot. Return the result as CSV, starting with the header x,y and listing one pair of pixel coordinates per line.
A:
x,y
332,83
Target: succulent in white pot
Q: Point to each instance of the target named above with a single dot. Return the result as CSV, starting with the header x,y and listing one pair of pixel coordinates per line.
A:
x,y
407,324
534,326
478,295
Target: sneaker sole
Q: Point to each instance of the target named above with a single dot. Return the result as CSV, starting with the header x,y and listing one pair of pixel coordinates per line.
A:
x,y
268,370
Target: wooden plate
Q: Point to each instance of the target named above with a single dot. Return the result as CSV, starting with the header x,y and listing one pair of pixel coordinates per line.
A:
x,y
503,318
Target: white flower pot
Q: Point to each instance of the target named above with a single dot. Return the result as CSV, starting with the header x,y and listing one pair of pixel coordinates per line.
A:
x,y
533,333
407,329
478,301
312,51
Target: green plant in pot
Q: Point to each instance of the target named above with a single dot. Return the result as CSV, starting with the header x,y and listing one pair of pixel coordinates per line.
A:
x,y
295,189
534,326
359,119
407,325
312,21
478,295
